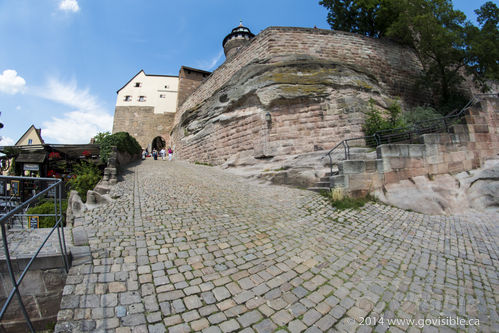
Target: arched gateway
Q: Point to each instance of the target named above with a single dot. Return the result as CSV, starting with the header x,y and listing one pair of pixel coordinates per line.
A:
x,y
158,143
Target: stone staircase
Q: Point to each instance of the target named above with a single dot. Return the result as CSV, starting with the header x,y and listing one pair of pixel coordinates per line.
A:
x,y
461,147
336,177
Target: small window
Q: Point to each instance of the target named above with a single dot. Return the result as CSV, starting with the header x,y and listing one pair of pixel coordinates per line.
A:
x,y
128,98
162,95
167,86
138,84
142,98
30,141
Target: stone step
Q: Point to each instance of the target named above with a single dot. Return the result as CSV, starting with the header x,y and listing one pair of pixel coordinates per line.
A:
x,y
323,183
338,181
80,255
319,189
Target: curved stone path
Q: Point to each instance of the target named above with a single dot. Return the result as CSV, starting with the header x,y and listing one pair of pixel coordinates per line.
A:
x,y
193,248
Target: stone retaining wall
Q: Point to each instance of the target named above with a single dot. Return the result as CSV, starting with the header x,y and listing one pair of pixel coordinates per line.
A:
x,y
41,292
465,149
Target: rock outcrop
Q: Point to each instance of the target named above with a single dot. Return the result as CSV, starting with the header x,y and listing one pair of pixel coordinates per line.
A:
x,y
273,111
447,194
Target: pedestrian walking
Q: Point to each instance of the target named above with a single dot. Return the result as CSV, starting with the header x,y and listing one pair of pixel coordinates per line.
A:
x,y
155,154
170,153
162,153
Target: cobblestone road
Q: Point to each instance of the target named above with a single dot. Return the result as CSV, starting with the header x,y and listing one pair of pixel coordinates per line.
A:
x,y
191,248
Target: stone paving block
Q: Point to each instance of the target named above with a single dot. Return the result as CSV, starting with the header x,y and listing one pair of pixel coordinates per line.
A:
x,y
217,318
221,293
249,318
192,302
230,326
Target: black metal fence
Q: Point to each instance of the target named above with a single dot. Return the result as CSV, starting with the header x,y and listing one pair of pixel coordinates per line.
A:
x,y
49,189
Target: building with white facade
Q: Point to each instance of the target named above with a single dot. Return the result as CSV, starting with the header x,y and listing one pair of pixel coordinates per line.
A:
x,y
158,91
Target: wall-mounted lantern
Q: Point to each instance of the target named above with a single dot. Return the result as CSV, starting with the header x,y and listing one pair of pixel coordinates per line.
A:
x,y
268,118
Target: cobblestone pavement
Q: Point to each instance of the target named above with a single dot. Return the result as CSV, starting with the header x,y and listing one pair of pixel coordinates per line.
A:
x,y
192,248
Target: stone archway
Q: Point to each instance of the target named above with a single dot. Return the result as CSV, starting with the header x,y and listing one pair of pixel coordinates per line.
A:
x,y
158,143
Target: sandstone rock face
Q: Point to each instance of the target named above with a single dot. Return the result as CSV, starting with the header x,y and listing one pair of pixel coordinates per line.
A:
x,y
296,170
313,104
447,194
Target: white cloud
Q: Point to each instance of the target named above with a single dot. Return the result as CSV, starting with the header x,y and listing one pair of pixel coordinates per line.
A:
x,y
69,6
18,107
6,141
211,63
11,83
78,126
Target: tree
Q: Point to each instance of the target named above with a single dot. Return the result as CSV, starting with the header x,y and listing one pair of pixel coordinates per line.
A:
x,y
442,39
436,32
100,137
367,17
483,45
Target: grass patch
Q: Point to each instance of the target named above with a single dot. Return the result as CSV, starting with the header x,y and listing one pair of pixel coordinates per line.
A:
x,y
351,203
203,163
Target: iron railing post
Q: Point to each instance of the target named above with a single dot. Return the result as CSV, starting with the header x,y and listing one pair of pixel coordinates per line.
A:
x,y
14,282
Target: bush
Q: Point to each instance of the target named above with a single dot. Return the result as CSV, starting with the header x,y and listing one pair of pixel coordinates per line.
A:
x,y
378,121
123,141
419,114
47,207
87,175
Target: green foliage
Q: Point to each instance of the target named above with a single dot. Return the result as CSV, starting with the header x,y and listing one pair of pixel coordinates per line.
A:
x,y
443,40
366,17
100,137
483,45
87,175
380,121
11,152
47,207
202,163
351,203
123,141
419,114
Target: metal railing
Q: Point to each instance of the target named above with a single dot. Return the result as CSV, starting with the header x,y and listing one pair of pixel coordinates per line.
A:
x,y
409,134
53,189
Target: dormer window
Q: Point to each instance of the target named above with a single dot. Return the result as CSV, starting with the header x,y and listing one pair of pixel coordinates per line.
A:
x,y
142,98
138,84
128,98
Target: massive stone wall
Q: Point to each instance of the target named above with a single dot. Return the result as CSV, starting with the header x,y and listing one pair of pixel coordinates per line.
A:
x,y
315,85
142,123
394,65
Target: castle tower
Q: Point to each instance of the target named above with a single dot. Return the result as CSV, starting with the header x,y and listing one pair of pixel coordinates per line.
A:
x,y
238,37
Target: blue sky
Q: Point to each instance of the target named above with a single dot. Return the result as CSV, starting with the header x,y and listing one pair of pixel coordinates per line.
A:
x,y
62,61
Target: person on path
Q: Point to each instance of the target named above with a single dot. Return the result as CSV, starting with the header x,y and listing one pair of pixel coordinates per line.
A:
x,y
162,152
155,154
170,153
144,154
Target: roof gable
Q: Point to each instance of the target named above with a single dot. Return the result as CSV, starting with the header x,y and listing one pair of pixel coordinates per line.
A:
x,y
32,129
144,73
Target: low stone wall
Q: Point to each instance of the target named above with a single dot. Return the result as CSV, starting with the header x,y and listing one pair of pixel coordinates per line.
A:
x,y
41,292
467,148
